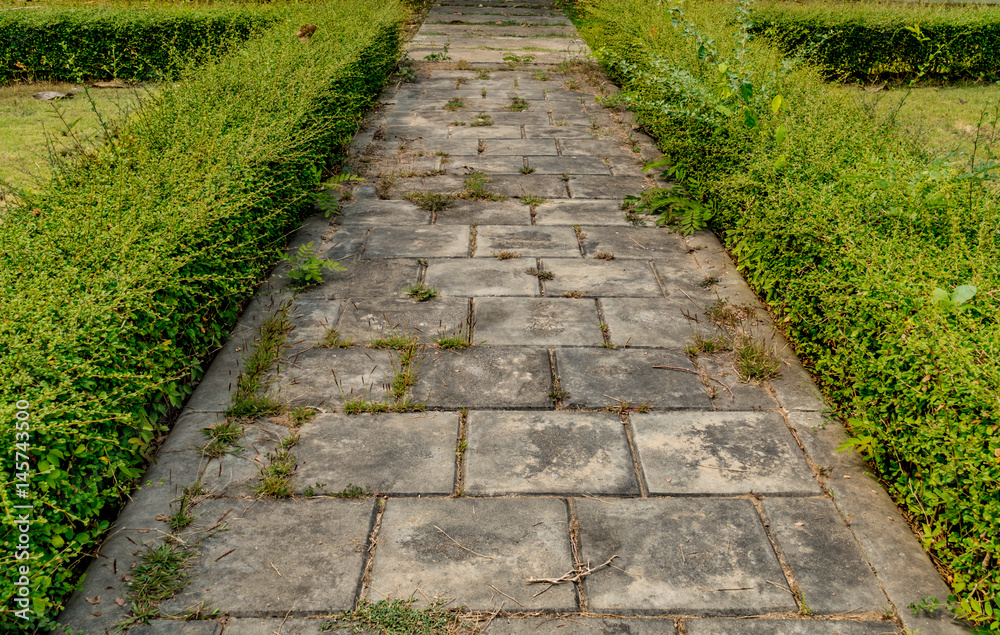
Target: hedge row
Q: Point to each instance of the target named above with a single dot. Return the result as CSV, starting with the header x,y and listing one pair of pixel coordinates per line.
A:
x,y
132,266
863,248
121,42
869,40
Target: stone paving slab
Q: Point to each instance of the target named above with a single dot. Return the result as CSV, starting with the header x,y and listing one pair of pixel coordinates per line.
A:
x,y
461,164
601,279
467,30
236,473
642,243
496,131
518,186
580,212
457,45
439,241
537,322
547,453
727,566
286,626
323,377
476,10
174,627
436,17
481,278
320,571
720,453
530,242
457,548
581,626
311,319
521,147
460,212
396,454
366,320
734,395
363,279
596,378
383,212
346,243
829,568
653,322
558,132
568,165
787,627
613,187
486,377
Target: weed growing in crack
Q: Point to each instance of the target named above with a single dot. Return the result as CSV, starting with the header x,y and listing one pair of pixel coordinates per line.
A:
x,y
518,104
754,360
533,200
557,393
161,573
729,315
709,281
540,274
514,62
305,267
353,491
580,234
182,517
702,345
505,254
482,120
541,76
454,104
397,341
574,294
421,292
622,407
429,201
483,74
398,617
224,438
604,255
301,415
276,475
332,339
606,332
527,169
270,339
458,123
475,189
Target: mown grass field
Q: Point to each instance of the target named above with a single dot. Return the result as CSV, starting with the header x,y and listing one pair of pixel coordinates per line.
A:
x,y
30,128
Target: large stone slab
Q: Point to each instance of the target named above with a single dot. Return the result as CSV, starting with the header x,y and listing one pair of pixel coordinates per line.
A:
x,y
787,627
653,322
643,243
520,186
613,187
720,453
521,147
580,212
237,472
569,624
344,243
481,277
568,165
379,212
537,322
366,320
486,377
596,378
547,453
826,561
324,377
287,626
320,570
602,279
447,241
726,389
474,551
312,319
396,454
531,242
694,556
173,627
510,212
364,279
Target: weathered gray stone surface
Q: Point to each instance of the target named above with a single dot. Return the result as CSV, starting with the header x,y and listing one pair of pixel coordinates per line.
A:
x,y
538,322
481,277
548,453
494,473
319,570
598,378
396,454
829,568
680,556
720,453
486,377
787,627
474,551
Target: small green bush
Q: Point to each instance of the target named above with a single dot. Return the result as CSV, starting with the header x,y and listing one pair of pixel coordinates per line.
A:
x,y
118,279
881,264
122,42
887,39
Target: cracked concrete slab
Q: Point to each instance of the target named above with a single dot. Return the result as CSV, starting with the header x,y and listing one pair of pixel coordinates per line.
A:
x,y
537,322
486,377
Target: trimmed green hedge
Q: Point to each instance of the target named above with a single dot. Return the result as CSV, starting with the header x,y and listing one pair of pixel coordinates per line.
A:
x,y
131,267
861,246
121,42
868,40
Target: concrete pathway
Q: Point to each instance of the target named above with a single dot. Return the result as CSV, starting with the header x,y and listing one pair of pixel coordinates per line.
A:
x,y
575,439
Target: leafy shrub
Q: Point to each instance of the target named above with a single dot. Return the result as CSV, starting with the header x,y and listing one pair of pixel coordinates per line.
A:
x,y
132,266
121,42
878,39
854,238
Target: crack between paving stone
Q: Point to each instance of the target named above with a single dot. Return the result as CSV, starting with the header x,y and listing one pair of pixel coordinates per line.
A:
x,y
460,452
785,568
574,545
634,451
366,574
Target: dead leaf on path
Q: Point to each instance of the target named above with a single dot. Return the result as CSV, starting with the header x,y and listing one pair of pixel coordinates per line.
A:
x,y
119,601
162,518
94,600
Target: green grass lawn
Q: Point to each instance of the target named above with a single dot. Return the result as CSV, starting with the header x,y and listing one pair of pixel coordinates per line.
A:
x,y
28,125
945,118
